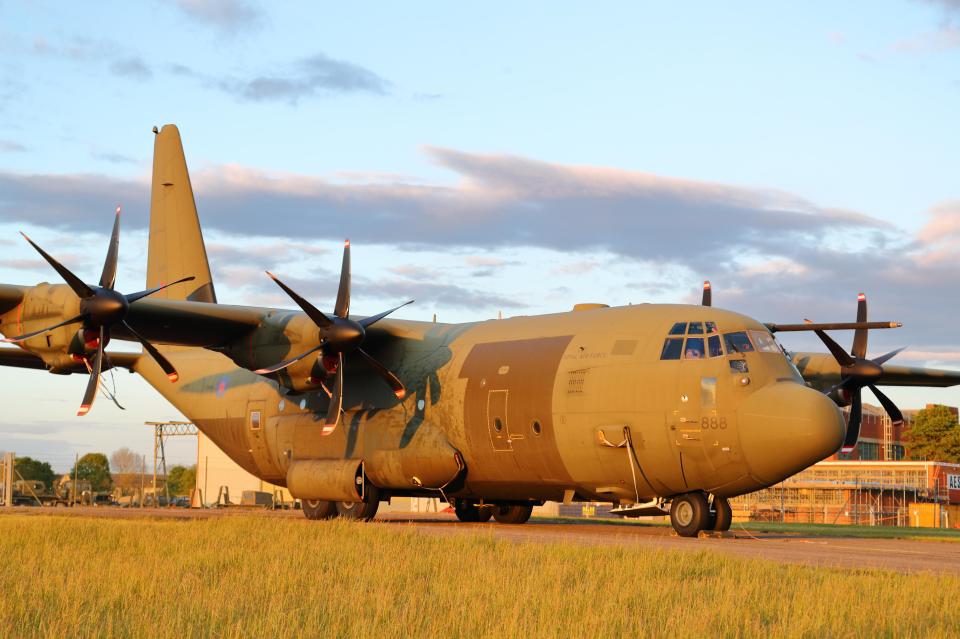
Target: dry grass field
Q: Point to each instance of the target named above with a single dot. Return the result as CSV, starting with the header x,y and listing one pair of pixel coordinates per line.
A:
x,y
264,577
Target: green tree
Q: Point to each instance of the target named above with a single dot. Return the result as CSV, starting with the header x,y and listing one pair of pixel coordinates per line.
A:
x,y
35,469
94,468
935,435
181,480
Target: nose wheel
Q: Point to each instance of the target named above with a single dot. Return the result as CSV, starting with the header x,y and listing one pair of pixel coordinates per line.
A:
x,y
692,512
689,514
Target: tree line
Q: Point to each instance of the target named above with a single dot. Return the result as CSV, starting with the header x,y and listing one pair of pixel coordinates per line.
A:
x,y
122,469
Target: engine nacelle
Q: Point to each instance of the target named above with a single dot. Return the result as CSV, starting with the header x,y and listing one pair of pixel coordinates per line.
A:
x,y
43,305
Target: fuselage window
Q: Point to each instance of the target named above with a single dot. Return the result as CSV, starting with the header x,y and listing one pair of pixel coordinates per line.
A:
x,y
672,347
694,348
713,344
738,343
711,327
679,328
764,341
695,328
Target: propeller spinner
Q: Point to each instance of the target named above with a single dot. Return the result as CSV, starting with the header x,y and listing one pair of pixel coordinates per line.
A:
x,y
101,308
339,335
857,372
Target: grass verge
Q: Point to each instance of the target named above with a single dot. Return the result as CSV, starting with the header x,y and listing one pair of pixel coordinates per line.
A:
x,y
262,577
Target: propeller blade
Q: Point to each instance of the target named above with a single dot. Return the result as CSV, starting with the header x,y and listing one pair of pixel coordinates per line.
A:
x,y
859,349
133,297
276,367
885,358
20,338
109,276
336,401
853,425
312,311
165,364
839,354
895,415
387,376
75,283
707,299
94,382
373,319
342,308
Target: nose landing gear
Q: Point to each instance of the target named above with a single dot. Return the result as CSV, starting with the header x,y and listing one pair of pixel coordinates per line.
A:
x,y
692,512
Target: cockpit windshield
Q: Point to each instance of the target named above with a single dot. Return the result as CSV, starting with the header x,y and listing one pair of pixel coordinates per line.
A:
x,y
703,340
738,342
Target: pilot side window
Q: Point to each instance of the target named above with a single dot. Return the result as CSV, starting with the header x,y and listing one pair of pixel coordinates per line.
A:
x,y
713,344
679,328
764,341
672,348
738,343
693,348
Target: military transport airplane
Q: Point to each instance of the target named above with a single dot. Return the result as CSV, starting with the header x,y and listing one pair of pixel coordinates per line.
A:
x,y
655,408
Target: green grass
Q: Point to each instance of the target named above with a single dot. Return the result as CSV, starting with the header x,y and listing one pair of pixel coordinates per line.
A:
x,y
244,576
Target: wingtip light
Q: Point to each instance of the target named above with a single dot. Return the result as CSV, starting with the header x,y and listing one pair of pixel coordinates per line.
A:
x,y
861,297
173,377
346,243
84,409
400,393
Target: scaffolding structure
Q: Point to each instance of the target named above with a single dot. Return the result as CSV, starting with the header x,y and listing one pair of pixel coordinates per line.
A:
x,y
161,431
864,493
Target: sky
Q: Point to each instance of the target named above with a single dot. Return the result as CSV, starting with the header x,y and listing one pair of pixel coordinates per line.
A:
x,y
494,157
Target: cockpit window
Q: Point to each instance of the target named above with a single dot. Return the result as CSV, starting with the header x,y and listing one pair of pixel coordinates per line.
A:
x,y
695,328
765,342
711,327
713,345
679,328
738,343
672,348
693,348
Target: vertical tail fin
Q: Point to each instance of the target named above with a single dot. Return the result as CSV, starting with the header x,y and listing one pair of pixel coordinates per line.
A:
x,y
176,247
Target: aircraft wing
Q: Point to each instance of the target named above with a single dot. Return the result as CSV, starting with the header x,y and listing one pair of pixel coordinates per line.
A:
x,y
822,370
19,358
186,323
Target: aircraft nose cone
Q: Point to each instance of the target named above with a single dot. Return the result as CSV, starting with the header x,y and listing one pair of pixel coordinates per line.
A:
x,y
786,427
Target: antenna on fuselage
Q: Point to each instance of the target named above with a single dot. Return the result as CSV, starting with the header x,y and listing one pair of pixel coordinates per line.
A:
x,y
707,299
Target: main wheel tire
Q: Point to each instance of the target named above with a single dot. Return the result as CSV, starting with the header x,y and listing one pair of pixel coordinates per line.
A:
x,y
689,514
316,509
467,511
512,514
723,513
361,510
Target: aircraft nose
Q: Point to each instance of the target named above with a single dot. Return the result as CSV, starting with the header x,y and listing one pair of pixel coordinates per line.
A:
x,y
785,427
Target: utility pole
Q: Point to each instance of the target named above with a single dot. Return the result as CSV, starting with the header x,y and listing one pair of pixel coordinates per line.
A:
x,y
162,430
8,462
73,486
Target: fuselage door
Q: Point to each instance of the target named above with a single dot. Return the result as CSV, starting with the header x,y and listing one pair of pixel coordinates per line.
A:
x,y
497,420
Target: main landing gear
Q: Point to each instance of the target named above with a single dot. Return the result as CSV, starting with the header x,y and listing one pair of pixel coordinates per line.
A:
x,y
692,512
502,513
361,510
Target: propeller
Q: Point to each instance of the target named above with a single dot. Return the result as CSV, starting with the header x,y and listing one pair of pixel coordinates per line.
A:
x,y
858,372
339,335
101,308
707,299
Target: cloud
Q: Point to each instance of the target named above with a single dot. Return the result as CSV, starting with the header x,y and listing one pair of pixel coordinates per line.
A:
x,y
500,201
577,268
229,16
317,75
24,264
943,39
9,146
114,158
770,254
131,67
